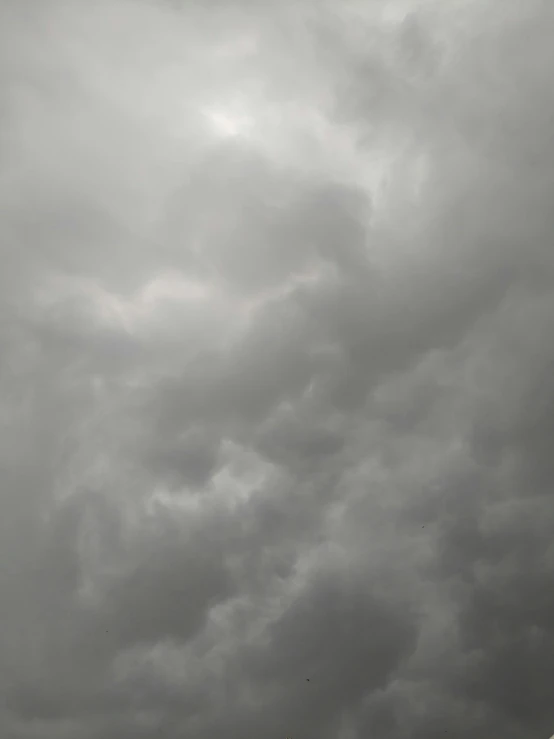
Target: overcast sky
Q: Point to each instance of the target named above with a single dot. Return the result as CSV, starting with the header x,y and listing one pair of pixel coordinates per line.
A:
x,y
276,375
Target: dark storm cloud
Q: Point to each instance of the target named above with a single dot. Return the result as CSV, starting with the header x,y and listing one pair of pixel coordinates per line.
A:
x,y
276,396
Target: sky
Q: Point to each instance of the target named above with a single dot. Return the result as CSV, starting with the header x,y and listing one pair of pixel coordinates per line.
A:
x,y
276,387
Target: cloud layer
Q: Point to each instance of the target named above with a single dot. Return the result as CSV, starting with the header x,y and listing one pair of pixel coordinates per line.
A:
x,y
276,394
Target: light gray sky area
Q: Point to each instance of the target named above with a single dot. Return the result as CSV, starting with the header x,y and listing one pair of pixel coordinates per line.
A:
x,y
276,369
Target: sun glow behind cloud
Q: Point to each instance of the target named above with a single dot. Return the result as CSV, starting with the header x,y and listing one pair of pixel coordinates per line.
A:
x,y
229,119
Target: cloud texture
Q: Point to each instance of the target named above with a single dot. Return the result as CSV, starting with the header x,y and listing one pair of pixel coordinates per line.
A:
x,y
276,389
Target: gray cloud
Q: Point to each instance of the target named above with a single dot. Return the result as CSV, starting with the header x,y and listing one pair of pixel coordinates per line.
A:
x,y
275,374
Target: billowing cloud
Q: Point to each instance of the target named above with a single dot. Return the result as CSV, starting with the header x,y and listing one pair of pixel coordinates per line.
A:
x,y
276,401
